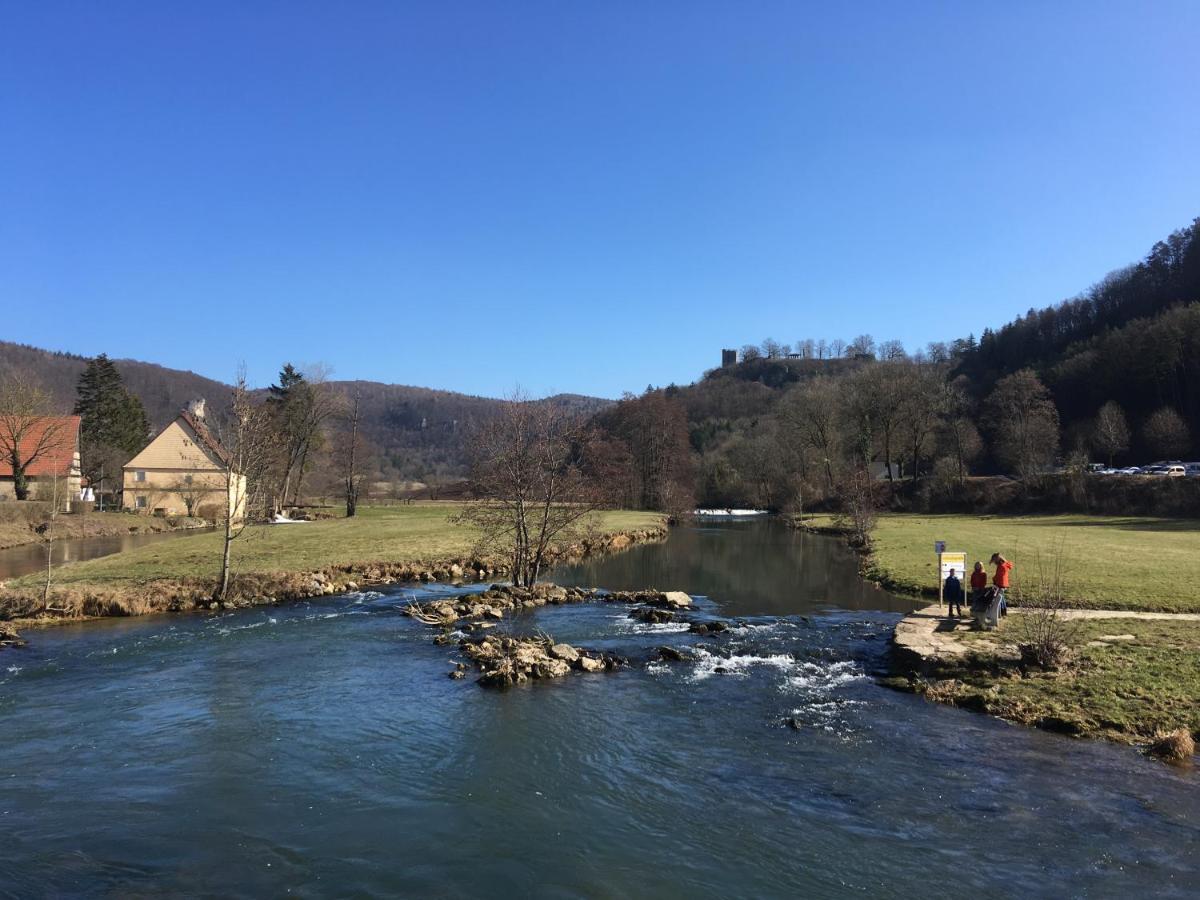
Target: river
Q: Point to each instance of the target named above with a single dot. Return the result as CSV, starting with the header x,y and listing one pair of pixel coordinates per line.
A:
x,y
319,749
25,559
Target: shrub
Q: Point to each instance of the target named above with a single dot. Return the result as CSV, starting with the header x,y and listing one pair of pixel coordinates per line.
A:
x,y
1044,637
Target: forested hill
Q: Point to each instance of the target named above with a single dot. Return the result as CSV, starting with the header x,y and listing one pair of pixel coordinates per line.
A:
x,y
418,432
1132,339
1167,278
1112,375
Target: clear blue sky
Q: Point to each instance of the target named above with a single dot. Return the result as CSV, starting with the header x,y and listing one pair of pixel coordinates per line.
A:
x,y
573,196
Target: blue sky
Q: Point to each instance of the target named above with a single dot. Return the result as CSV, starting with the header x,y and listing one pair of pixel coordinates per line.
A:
x,y
571,196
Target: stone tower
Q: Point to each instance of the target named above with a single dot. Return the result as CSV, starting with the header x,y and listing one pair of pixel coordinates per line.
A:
x,y
728,358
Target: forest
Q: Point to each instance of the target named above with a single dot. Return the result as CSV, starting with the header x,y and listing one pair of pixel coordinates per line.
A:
x,y
1112,375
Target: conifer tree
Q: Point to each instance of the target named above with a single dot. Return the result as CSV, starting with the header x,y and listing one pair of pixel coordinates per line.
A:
x,y
113,424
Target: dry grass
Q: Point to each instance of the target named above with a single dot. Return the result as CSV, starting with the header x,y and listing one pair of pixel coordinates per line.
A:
x,y
1173,746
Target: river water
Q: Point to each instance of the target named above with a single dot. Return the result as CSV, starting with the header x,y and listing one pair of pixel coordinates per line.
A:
x,y
26,559
320,750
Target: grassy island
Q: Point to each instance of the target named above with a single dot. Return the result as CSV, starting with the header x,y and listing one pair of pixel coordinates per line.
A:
x,y
279,560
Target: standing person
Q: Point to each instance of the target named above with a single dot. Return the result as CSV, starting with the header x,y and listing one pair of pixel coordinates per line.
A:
x,y
978,583
953,592
1000,579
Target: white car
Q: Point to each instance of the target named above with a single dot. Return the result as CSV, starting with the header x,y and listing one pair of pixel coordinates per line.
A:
x,y
1174,471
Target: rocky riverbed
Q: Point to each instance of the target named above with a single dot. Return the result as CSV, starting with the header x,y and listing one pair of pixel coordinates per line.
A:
x,y
504,660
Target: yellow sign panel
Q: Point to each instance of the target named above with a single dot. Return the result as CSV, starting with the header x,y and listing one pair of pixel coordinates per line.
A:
x,y
955,561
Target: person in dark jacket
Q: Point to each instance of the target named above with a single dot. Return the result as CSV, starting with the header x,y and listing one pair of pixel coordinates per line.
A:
x,y
952,591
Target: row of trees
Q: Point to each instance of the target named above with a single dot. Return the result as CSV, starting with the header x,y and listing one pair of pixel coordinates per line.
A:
x,y
863,346
723,442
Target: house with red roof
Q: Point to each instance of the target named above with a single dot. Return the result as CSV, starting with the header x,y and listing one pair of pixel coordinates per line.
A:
x,y
45,450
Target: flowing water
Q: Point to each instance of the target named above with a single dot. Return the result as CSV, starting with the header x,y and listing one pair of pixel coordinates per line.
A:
x,y
320,750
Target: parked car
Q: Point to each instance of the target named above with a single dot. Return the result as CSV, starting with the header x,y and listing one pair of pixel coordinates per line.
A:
x,y
1129,470
1192,469
1174,471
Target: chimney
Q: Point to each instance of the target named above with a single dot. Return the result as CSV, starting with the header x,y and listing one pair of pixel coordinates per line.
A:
x,y
196,408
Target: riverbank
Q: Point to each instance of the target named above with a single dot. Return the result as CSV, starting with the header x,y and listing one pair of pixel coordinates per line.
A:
x,y
1131,677
1106,562
19,519
418,542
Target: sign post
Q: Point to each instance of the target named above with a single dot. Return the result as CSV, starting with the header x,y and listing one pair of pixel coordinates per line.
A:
x,y
939,547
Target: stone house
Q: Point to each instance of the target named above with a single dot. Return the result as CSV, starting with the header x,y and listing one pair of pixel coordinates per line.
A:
x,y
50,444
184,470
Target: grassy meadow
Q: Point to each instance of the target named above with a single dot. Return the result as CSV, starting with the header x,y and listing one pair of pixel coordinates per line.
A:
x,y
1130,679
410,534
1107,562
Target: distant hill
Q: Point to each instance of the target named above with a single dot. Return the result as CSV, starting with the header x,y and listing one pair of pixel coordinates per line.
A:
x,y
418,431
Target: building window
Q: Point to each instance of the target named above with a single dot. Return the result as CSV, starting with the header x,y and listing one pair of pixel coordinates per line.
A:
x,y
140,502
139,475
187,479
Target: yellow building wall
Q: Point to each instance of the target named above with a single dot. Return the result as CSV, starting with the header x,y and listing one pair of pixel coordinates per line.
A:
x,y
158,476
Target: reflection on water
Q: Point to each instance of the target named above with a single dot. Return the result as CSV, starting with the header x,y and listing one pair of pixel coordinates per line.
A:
x,y
29,558
754,567
319,749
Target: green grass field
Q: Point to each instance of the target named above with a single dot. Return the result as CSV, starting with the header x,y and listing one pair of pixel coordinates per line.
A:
x,y
1107,562
1119,689
417,533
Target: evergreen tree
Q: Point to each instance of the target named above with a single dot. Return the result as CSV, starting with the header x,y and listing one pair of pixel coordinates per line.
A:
x,y
113,424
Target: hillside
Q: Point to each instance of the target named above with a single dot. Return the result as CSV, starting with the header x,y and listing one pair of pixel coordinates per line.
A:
x,y
780,429
416,432
1132,339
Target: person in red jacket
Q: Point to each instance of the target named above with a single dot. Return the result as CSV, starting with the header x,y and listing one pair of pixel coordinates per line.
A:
x,y
978,583
1001,580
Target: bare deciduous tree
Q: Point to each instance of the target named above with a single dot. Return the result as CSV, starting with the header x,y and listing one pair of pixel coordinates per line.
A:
x,y
1166,433
924,400
863,345
26,432
1024,424
812,412
247,443
1110,434
351,453
529,482
56,495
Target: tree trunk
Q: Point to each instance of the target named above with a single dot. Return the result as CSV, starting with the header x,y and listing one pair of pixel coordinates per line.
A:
x,y
20,485
223,584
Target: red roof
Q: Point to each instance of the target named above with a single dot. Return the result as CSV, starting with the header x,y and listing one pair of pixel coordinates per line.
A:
x,y
55,440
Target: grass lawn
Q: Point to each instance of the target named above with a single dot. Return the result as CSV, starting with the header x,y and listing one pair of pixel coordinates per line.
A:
x,y
1108,562
421,532
1117,688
